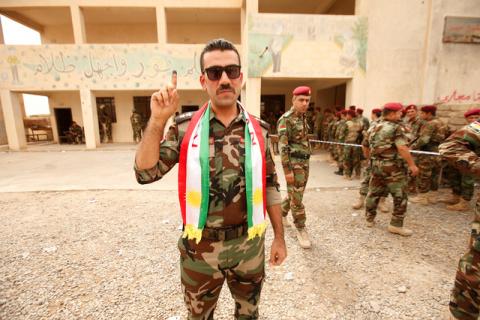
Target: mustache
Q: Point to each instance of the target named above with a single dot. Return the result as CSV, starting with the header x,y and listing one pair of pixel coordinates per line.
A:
x,y
225,87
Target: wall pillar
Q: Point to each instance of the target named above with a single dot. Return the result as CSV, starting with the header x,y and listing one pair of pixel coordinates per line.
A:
x,y
90,118
252,95
78,22
161,25
12,115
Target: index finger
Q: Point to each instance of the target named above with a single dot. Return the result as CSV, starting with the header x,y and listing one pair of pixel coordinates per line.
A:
x,y
174,78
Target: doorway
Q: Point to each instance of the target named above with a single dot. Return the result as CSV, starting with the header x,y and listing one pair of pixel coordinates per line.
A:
x,y
63,117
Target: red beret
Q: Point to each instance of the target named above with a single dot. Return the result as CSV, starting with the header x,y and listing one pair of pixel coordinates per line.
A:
x,y
302,91
338,113
393,106
472,112
352,108
359,110
343,112
376,110
352,113
411,106
428,109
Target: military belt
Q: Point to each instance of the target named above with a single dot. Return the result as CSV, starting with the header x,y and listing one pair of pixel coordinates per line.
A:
x,y
300,155
225,233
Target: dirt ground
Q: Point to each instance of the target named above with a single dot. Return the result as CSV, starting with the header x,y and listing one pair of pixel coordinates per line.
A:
x,y
112,255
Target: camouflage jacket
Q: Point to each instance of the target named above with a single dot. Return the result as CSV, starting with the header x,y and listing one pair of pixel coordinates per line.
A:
x,y
340,132
384,138
353,130
430,135
413,128
462,149
331,130
136,119
227,171
365,123
366,133
292,137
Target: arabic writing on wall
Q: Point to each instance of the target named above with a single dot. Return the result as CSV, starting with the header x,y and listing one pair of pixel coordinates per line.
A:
x,y
457,97
114,66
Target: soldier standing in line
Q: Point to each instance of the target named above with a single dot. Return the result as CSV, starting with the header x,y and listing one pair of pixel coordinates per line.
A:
x,y
387,149
462,150
136,121
105,121
351,159
376,117
364,119
463,184
413,124
295,154
431,134
340,137
330,136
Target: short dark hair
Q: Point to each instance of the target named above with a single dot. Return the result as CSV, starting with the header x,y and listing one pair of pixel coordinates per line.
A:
x,y
217,44
386,112
378,114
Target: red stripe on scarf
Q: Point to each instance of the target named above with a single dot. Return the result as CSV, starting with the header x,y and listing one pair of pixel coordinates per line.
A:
x,y
259,134
182,163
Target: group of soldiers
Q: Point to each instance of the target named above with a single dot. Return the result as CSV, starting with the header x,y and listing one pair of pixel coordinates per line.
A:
x,y
404,151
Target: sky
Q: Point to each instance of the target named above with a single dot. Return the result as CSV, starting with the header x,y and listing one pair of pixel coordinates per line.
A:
x,y
14,34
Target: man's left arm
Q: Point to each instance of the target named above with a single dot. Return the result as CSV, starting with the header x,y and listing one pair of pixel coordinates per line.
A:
x,y
278,251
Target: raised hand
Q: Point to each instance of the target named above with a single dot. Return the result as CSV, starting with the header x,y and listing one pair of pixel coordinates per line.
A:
x,y
165,102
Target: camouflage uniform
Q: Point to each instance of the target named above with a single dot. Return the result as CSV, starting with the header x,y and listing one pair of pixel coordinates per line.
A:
x,y
368,169
206,265
76,133
105,121
389,170
430,135
340,137
329,136
413,128
295,154
136,121
351,155
462,150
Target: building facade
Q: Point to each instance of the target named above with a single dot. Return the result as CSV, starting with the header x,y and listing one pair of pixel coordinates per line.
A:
x,y
351,52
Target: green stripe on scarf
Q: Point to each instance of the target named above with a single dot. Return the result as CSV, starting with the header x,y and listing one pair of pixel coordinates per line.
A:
x,y
205,166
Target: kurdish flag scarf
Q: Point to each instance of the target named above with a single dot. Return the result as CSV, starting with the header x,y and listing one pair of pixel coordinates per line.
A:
x,y
194,175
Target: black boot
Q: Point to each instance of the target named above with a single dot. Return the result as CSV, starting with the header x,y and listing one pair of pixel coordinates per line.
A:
x,y
339,172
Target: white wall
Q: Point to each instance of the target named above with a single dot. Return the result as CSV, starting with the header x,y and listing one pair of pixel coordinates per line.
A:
x,y
121,33
202,33
3,130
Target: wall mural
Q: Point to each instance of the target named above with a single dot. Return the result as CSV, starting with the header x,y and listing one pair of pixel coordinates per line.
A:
x,y
57,67
307,45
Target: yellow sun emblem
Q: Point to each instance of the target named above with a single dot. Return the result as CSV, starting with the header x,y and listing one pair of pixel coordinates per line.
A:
x,y
194,198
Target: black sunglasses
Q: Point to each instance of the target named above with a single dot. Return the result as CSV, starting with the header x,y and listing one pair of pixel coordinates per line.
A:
x,y
215,73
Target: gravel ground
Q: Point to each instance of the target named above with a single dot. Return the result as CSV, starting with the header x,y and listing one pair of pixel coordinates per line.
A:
x,y
112,255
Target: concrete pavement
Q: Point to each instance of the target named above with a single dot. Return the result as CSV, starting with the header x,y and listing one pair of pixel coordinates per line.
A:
x,y
72,167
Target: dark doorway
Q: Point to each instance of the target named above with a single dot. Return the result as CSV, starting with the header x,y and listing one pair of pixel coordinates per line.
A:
x,y
142,105
63,117
272,107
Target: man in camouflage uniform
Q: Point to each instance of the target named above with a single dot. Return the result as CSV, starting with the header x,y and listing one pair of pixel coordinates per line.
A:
x,y
224,252
463,184
295,154
340,137
376,118
330,136
413,123
75,133
351,157
431,134
136,121
105,121
387,149
462,150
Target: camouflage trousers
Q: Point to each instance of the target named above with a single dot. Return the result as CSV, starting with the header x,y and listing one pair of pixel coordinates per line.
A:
x,y
339,155
366,181
294,198
465,297
351,160
388,177
428,177
205,267
462,184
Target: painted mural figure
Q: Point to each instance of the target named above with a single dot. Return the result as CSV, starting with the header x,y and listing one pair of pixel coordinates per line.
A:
x,y
136,120
295,153
223,221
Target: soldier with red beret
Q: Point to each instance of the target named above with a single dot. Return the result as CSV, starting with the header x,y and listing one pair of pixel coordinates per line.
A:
x,y
351,157
432,132
412,126
387,149
340,137
293,129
